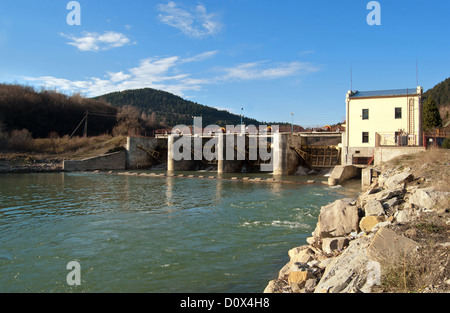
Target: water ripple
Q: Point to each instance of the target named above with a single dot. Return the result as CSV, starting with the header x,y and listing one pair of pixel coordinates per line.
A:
x,y
139,234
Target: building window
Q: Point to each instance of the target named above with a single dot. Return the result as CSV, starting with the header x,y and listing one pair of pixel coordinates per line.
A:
x,y
365,137
365,114
398,113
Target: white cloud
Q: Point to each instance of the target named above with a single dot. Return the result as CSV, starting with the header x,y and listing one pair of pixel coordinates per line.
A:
x,y
117,77
259,70
158,73
165,73
200,57
95,42
193,22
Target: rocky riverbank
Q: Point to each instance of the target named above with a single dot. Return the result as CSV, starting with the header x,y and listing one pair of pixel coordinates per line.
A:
x,y
393,238
21,163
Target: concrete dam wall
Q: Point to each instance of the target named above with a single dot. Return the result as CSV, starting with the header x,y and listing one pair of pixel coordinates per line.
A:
x,y
113,161
279,153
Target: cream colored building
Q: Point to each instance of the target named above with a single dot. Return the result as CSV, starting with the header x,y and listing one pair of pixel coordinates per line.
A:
x,y
387,118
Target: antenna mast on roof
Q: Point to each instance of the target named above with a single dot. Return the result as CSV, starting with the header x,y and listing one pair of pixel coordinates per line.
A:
x,y
351,78
417,73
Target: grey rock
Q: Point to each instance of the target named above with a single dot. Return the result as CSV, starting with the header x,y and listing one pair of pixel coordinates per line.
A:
x,y
352,270
427,198
332,244
337,219
374,208
389,248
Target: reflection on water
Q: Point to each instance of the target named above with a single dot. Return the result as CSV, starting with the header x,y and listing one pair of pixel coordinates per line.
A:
x,y
144,234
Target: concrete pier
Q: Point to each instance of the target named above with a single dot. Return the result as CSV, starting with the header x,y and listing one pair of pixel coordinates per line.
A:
x,y
286,161
342,173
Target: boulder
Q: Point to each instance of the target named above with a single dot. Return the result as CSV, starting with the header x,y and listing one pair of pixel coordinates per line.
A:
x,y
398,179
391,205
298,279
403,216
351,271
337,219
374,208
367,223
304,256
388,248
382,196
310,285
428,198
332,244
296,250
298,257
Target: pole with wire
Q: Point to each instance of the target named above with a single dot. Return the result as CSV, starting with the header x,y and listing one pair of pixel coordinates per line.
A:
x,y
292,124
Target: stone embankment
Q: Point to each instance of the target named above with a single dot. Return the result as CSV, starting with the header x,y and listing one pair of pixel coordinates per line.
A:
x,y
27,164
356,239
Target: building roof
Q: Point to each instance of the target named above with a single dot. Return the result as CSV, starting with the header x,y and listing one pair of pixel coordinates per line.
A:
x,y
384,93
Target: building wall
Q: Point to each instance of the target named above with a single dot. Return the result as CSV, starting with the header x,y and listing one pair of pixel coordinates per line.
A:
x,y
385,154
381,119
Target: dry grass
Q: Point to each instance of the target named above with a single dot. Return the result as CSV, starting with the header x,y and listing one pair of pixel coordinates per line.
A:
x,y
428,270
77,146
432,165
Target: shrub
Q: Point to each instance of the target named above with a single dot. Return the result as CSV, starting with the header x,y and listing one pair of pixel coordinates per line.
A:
x,y
21,140
3,137
3,141
446,144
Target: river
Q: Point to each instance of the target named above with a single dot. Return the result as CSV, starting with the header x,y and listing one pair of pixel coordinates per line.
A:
x,y
156,235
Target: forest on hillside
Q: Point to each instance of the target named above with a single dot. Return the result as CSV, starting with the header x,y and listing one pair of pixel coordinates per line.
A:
x,y
440,93
48,113
173,110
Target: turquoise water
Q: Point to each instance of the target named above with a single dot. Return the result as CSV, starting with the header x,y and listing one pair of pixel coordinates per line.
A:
x,y
143,234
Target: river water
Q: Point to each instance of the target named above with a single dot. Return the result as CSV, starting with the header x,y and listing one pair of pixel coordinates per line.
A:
x,y
158,235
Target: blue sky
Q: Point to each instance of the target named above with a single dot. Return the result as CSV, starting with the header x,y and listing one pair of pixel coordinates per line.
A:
x,y
271,58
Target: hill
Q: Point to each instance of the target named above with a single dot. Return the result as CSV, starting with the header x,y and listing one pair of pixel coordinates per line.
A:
x,y
172,110
441,94
48,113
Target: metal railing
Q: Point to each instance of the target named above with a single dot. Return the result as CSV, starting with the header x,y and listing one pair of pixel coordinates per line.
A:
x,y
395,139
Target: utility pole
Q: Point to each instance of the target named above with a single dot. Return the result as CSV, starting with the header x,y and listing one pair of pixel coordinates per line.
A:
x,y
85,124
242,124
292,124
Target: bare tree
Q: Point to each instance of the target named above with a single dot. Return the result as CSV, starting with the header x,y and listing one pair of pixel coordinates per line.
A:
x,y
128,119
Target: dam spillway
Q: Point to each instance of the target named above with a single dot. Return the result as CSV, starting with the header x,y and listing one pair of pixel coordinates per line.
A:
x,y
278,153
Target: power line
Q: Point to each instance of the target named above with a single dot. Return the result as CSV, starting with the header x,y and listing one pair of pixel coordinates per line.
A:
x,y
85,120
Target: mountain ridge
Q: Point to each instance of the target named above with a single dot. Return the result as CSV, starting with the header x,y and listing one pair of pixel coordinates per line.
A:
x,y
172,109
